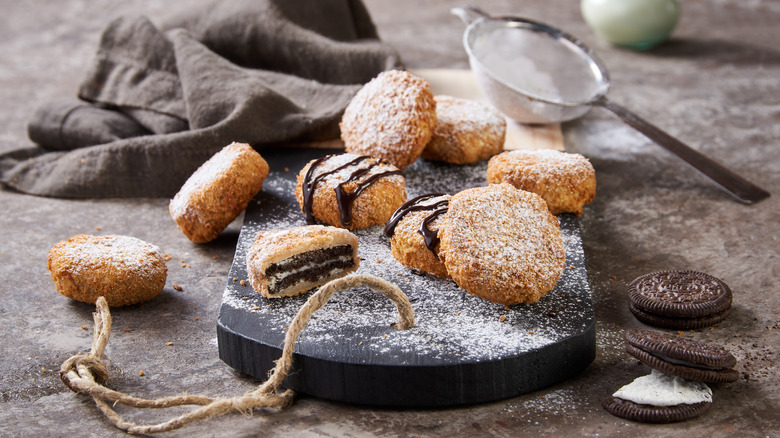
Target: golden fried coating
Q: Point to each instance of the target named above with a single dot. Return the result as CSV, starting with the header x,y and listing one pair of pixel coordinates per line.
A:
x,y
466,131
284,263
391,117
349,191
123,269
408,244
502,244
218,192
565,181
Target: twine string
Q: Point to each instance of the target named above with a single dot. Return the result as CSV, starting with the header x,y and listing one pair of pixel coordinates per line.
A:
x,y
87,372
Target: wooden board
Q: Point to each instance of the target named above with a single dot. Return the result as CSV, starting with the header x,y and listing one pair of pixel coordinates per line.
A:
x,y
462,350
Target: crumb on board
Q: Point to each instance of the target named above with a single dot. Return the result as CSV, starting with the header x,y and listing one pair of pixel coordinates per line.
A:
x,y
177,287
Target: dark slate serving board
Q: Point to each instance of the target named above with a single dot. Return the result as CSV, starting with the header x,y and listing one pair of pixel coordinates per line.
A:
x,y
462,350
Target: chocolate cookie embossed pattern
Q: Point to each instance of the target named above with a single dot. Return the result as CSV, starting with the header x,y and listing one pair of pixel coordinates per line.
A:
x,y
680,300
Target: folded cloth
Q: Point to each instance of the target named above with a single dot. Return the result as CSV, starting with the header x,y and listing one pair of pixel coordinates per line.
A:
x,y
159,101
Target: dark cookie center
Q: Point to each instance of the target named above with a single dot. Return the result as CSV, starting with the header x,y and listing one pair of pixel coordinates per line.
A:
x,y
308,266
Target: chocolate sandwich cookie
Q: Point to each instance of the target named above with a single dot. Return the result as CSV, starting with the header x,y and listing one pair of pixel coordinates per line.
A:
x,y
682,300
679,356
645,413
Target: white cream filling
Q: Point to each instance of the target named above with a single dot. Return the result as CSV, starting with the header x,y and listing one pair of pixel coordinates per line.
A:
x,y
659,389
311,265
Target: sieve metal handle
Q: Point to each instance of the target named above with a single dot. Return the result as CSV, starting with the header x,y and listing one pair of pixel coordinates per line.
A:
x,y
734,184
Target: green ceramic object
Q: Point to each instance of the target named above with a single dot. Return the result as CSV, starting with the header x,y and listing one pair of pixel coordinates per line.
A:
x,y
635,24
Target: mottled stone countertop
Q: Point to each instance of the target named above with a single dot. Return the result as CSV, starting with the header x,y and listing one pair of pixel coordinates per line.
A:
x,y
715,85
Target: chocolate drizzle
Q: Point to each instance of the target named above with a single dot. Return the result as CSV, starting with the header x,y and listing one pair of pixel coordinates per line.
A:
x,y
431,237
344,198
438,208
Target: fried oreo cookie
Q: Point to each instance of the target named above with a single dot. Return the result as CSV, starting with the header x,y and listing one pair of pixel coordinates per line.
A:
x,y
679,356
565,181
289,262
392,117
502,244
682,300
414,233
215,194
350,191
466,131
122,269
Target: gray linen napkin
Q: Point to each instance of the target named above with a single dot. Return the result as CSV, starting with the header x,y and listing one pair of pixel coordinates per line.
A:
x,y
159,101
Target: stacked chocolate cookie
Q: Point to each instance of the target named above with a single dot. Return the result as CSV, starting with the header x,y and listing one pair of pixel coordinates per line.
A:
x,y
677,389
681,300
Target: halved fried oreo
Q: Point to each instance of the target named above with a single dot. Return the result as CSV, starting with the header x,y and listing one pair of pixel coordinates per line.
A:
x,y
290,262
679,356
679,299
653,414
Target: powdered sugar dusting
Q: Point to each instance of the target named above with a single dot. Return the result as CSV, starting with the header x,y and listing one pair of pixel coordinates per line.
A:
x,y
338,160
219,164
510,235
450,324
392,116
546,163
89,254
466,131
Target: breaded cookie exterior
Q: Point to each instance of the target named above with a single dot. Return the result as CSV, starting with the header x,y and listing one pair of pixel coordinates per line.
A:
x,y
392,117
466,131
270,247
564,180
218,192
408,246
123,269
373,206
502,244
